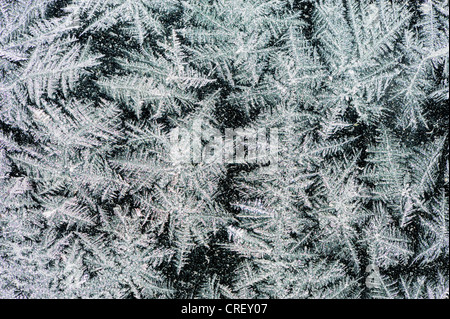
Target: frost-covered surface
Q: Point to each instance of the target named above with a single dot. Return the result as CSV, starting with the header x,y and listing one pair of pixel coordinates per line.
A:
x,y
91,205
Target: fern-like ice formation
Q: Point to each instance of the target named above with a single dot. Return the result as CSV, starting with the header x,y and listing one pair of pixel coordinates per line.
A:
x,y
93,205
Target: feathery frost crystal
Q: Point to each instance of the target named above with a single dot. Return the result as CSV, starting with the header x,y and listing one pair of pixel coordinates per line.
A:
x,y
224,149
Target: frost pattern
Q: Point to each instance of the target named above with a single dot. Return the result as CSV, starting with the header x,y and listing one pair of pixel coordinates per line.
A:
x,y
92,207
